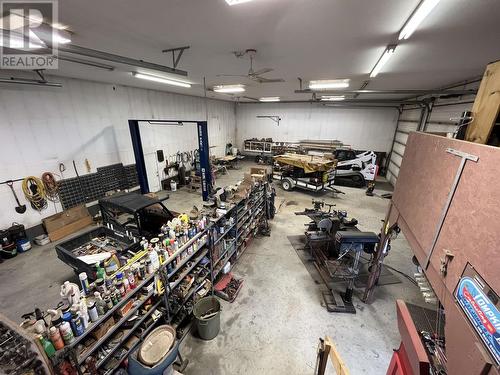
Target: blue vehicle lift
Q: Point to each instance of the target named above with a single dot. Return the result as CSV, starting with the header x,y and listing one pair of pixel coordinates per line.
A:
x,y
135,134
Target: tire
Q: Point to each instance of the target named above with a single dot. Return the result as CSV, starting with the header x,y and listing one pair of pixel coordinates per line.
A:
x,y
286,184
358,180
258,159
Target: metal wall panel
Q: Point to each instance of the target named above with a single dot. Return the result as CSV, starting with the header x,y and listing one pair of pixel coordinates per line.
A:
x,y
362,128
42,127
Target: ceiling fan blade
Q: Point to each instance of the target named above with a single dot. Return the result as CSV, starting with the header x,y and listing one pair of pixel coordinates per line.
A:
x,y
268,80
231,75
262,71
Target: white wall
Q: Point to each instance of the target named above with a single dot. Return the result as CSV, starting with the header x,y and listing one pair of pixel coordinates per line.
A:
x,y
42,127
362,128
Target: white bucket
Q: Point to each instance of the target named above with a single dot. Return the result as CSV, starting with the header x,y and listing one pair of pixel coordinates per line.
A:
x,y
173,185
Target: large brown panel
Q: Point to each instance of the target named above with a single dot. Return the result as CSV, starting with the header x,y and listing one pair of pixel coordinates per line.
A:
x,y
471,229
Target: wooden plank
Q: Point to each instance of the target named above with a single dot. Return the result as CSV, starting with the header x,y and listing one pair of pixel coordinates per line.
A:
x,y
70,228
59,220
337,362
323,353
486,106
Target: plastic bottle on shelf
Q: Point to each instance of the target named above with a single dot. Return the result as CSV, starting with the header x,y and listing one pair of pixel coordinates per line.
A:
x,y
100,304
55,338
66,333
47,346
126,282
84,313
76,322
100,272
154,259
93,314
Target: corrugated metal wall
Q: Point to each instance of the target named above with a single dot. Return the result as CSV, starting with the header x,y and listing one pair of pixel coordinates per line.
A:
x,y
42,127
443,118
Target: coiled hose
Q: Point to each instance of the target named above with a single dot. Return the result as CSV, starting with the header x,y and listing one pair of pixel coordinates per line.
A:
x,y
51,187
34,191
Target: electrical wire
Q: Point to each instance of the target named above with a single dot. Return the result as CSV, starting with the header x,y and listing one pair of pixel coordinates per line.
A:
x,y
34,191
51,187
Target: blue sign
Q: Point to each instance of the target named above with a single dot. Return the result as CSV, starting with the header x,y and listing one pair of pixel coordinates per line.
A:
x,y
482,314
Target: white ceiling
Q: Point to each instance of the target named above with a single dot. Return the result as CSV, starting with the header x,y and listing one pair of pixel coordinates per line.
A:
x,y
312,39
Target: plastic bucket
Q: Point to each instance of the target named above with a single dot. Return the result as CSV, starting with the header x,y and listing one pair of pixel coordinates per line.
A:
x,y
23,245
173,185
165,367
207,314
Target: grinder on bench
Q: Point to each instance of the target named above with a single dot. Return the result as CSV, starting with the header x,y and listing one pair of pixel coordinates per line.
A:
x,y
354,242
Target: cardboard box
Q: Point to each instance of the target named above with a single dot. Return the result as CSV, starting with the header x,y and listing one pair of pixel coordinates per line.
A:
x,y
67,222
125,308
103,328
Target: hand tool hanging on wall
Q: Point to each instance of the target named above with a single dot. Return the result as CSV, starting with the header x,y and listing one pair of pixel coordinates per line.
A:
x,y
82,189
20,208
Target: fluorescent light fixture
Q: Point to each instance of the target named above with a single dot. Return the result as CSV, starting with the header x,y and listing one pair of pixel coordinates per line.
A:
x,y
269,99
422,11
332,98
389,51
167,81
228,89
235,2
61,38
59,26
176,123
325,84
16,41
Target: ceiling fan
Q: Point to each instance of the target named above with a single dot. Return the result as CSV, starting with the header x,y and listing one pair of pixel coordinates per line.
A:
x,y
253,75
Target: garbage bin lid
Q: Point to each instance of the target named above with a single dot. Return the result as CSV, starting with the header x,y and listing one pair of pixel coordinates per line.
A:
x,y
156,345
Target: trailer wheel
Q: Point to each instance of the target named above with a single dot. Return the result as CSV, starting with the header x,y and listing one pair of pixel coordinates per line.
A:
x,y
287,184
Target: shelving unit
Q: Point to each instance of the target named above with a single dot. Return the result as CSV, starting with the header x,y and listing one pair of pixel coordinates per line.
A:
x,y
172,305
160,305
247,213
113,329
129,333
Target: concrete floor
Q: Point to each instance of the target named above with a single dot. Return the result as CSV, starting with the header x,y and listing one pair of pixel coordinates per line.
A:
x,y
274,325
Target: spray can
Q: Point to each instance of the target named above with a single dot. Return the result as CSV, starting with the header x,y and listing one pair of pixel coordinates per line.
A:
x,y
92,309
84,281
